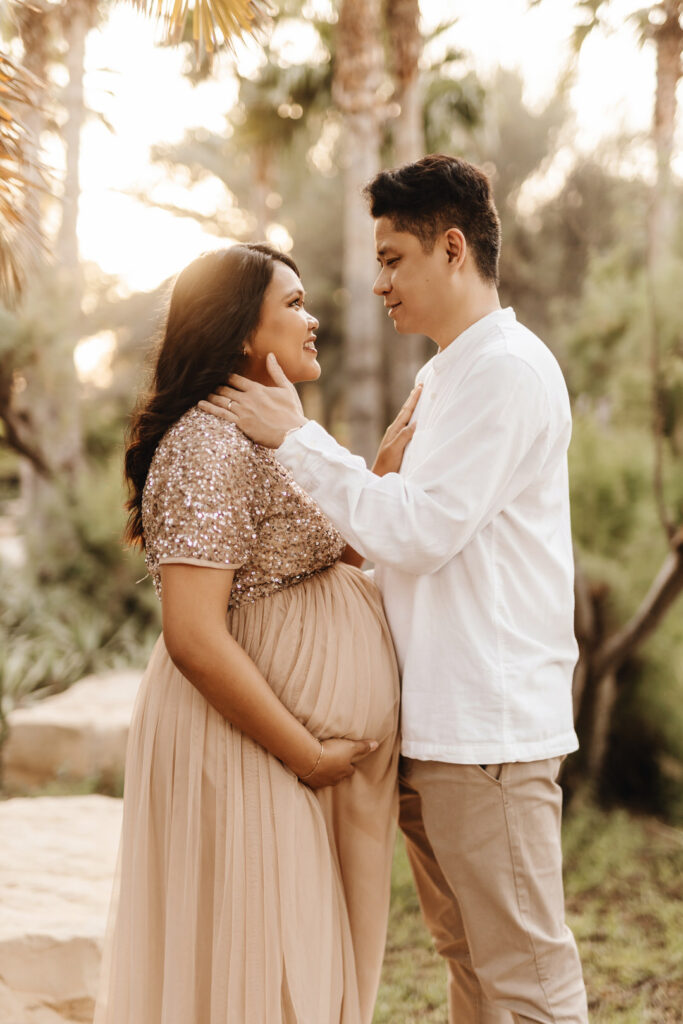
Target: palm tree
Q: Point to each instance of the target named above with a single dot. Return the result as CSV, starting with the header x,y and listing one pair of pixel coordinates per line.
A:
x,y
21,177
20,214
75,22
214,23
404,354
663,24
357,77
48,410
402,19
659,23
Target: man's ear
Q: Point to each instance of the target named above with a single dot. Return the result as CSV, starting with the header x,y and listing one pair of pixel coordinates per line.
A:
x,y
456,247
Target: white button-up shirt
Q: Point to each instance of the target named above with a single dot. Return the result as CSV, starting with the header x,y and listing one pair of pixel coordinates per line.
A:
x,y
472,547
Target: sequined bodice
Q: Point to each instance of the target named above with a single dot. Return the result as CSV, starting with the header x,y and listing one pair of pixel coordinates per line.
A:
x,y
213,497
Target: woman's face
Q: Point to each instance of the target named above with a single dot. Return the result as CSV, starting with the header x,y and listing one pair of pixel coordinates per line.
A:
x,y
285,329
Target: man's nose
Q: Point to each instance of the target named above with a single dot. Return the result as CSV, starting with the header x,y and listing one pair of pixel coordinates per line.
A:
x,y
381,286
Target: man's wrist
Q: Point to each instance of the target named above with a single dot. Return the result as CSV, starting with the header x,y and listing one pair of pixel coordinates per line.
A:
x,y
292,430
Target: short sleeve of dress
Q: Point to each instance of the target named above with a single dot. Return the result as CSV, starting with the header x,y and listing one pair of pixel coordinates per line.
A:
x,y
201,499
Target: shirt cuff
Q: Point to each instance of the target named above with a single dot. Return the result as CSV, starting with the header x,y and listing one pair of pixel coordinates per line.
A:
x,y
297,444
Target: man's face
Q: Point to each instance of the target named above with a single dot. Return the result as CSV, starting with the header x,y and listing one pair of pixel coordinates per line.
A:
x,y
411,281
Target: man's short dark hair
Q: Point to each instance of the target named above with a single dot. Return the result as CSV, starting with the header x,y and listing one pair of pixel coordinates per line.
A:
x,y
437,193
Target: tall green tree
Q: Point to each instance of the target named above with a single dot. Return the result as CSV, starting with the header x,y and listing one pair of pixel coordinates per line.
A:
x,y
604,656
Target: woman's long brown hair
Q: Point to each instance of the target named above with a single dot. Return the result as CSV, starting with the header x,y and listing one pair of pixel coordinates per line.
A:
x,y
215,307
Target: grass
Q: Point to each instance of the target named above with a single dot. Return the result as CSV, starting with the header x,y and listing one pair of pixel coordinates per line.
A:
x,y
102,783
624,884
624,898
624,892
413,986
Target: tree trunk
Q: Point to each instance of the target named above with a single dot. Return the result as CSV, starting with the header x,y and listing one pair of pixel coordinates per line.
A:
x,y
77,19
596,678
668,39
586,627
404,354
603,698
260,189
52,398
356,79
665,590
405,40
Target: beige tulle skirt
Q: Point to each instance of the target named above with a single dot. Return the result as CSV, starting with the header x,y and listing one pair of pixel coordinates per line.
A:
x,y
242,896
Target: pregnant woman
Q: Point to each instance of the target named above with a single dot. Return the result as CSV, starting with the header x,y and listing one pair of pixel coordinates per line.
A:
x,y
260,793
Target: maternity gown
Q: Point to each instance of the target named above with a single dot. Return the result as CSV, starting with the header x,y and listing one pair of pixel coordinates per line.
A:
x,y
242,896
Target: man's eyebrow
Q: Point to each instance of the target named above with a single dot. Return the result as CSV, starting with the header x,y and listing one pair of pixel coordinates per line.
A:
x,y
384,248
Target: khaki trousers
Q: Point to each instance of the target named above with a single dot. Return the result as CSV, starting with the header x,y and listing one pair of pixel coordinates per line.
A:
x,y
484,846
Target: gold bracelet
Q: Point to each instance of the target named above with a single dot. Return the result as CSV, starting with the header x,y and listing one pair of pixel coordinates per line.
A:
x,y
302,778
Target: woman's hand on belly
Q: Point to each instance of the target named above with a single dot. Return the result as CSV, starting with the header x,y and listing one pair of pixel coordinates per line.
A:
x,y
338,759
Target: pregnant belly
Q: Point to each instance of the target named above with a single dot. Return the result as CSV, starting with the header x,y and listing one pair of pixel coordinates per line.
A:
x,y
324,646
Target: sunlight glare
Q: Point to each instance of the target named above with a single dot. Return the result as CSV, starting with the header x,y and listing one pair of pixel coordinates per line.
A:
x,y
545,183
279,236
93,358
142,91
145,246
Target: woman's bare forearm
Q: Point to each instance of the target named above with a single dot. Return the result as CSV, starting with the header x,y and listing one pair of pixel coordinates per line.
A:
x,y
352,557
198,641
229,680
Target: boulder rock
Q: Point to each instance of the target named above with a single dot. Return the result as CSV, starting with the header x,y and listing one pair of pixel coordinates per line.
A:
x,y
76,735
57,863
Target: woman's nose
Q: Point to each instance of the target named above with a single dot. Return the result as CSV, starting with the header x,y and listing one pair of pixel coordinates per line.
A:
x,y
313,322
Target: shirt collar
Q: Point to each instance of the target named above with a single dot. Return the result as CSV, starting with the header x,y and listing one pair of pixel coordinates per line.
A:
x,y
471,338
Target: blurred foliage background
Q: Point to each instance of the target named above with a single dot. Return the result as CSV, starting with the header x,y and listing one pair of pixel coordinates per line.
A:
x,y
594,266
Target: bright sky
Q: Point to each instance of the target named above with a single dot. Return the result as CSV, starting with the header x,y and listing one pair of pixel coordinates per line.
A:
x,y
141,90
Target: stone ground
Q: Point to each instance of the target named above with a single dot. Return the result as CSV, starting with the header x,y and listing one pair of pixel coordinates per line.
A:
x,y
57,862
58,853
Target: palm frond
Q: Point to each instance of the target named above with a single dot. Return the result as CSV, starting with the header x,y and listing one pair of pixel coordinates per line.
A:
x,y
442,27
214,23
580,33
21,177
642,23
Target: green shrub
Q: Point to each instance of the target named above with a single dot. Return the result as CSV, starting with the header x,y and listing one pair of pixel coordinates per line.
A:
x,y
85,608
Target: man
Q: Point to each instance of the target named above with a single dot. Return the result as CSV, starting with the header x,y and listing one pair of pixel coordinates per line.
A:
x,y
471,540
